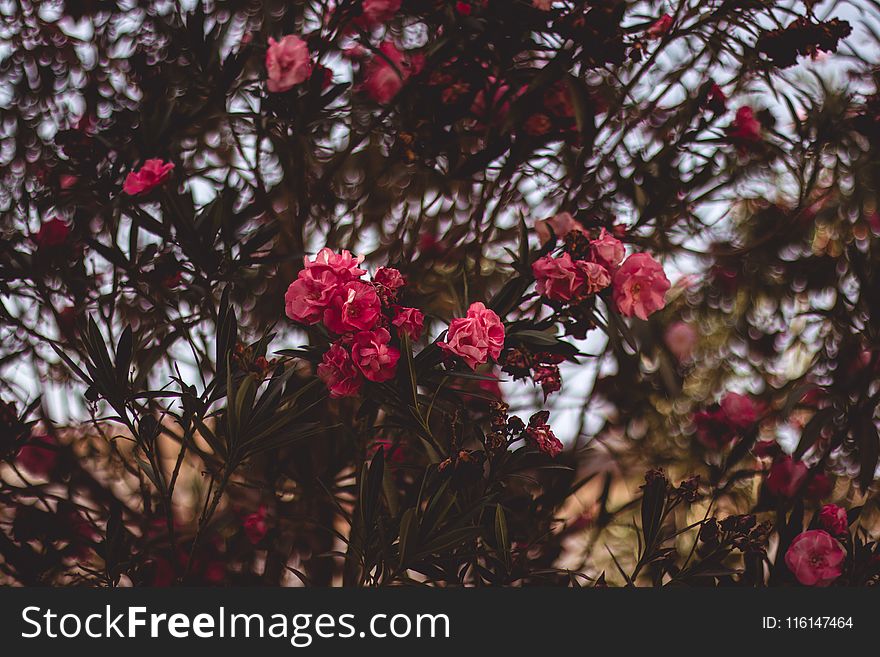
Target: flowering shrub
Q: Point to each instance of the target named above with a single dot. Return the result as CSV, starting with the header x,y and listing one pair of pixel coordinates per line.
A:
x,y
385,292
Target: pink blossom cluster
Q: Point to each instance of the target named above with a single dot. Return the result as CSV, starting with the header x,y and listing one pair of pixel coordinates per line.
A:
x,y
638,283
476,337
329,290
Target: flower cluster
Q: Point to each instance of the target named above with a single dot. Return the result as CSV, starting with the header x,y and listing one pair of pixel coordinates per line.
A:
x,y
587,266
329,290
802,37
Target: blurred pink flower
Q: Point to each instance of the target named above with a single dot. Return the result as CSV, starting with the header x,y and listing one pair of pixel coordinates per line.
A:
x,y
287,63
386,72
372,355
52,233
660,27
476,337
561,224
681,338
741,411
745,129
255,527
815,558
640,286
152,174
377,12
338,372
39,456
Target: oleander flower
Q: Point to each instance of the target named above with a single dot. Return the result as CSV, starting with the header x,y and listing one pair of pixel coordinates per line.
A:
x,y
561,224
152,174
255,527
834,520
660,27
373,356
354,306
815,558
52,234
745,129
308,296
681,338
339,373
741,411
566,280
390,281
787,476
377,12
343,266
607,250
409,321
39,456
640,286
287,62
539,433
476,337
386,73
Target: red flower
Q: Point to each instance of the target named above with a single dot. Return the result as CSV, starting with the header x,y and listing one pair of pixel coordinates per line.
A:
x,y
476,337
834,520
39,456
660,27
463,8
353,307
640,286
339,374
409,321
745,129
152,174
52,234
542,436
255,526
287,63
372,355
815,558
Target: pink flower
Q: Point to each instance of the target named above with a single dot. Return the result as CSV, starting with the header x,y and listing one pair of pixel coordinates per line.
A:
x,y
386,73
787,475
339,373
561,279
67,181
354,306
716,100
543,5
740,410
39,456
152,174
746,129
390,280
287,62
52,233
834,519
815,558
308,296
640,286
561,224
409,321
596,277
660,27
681,338
607,250
377,12
476,337
255,527
344,266
372,355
